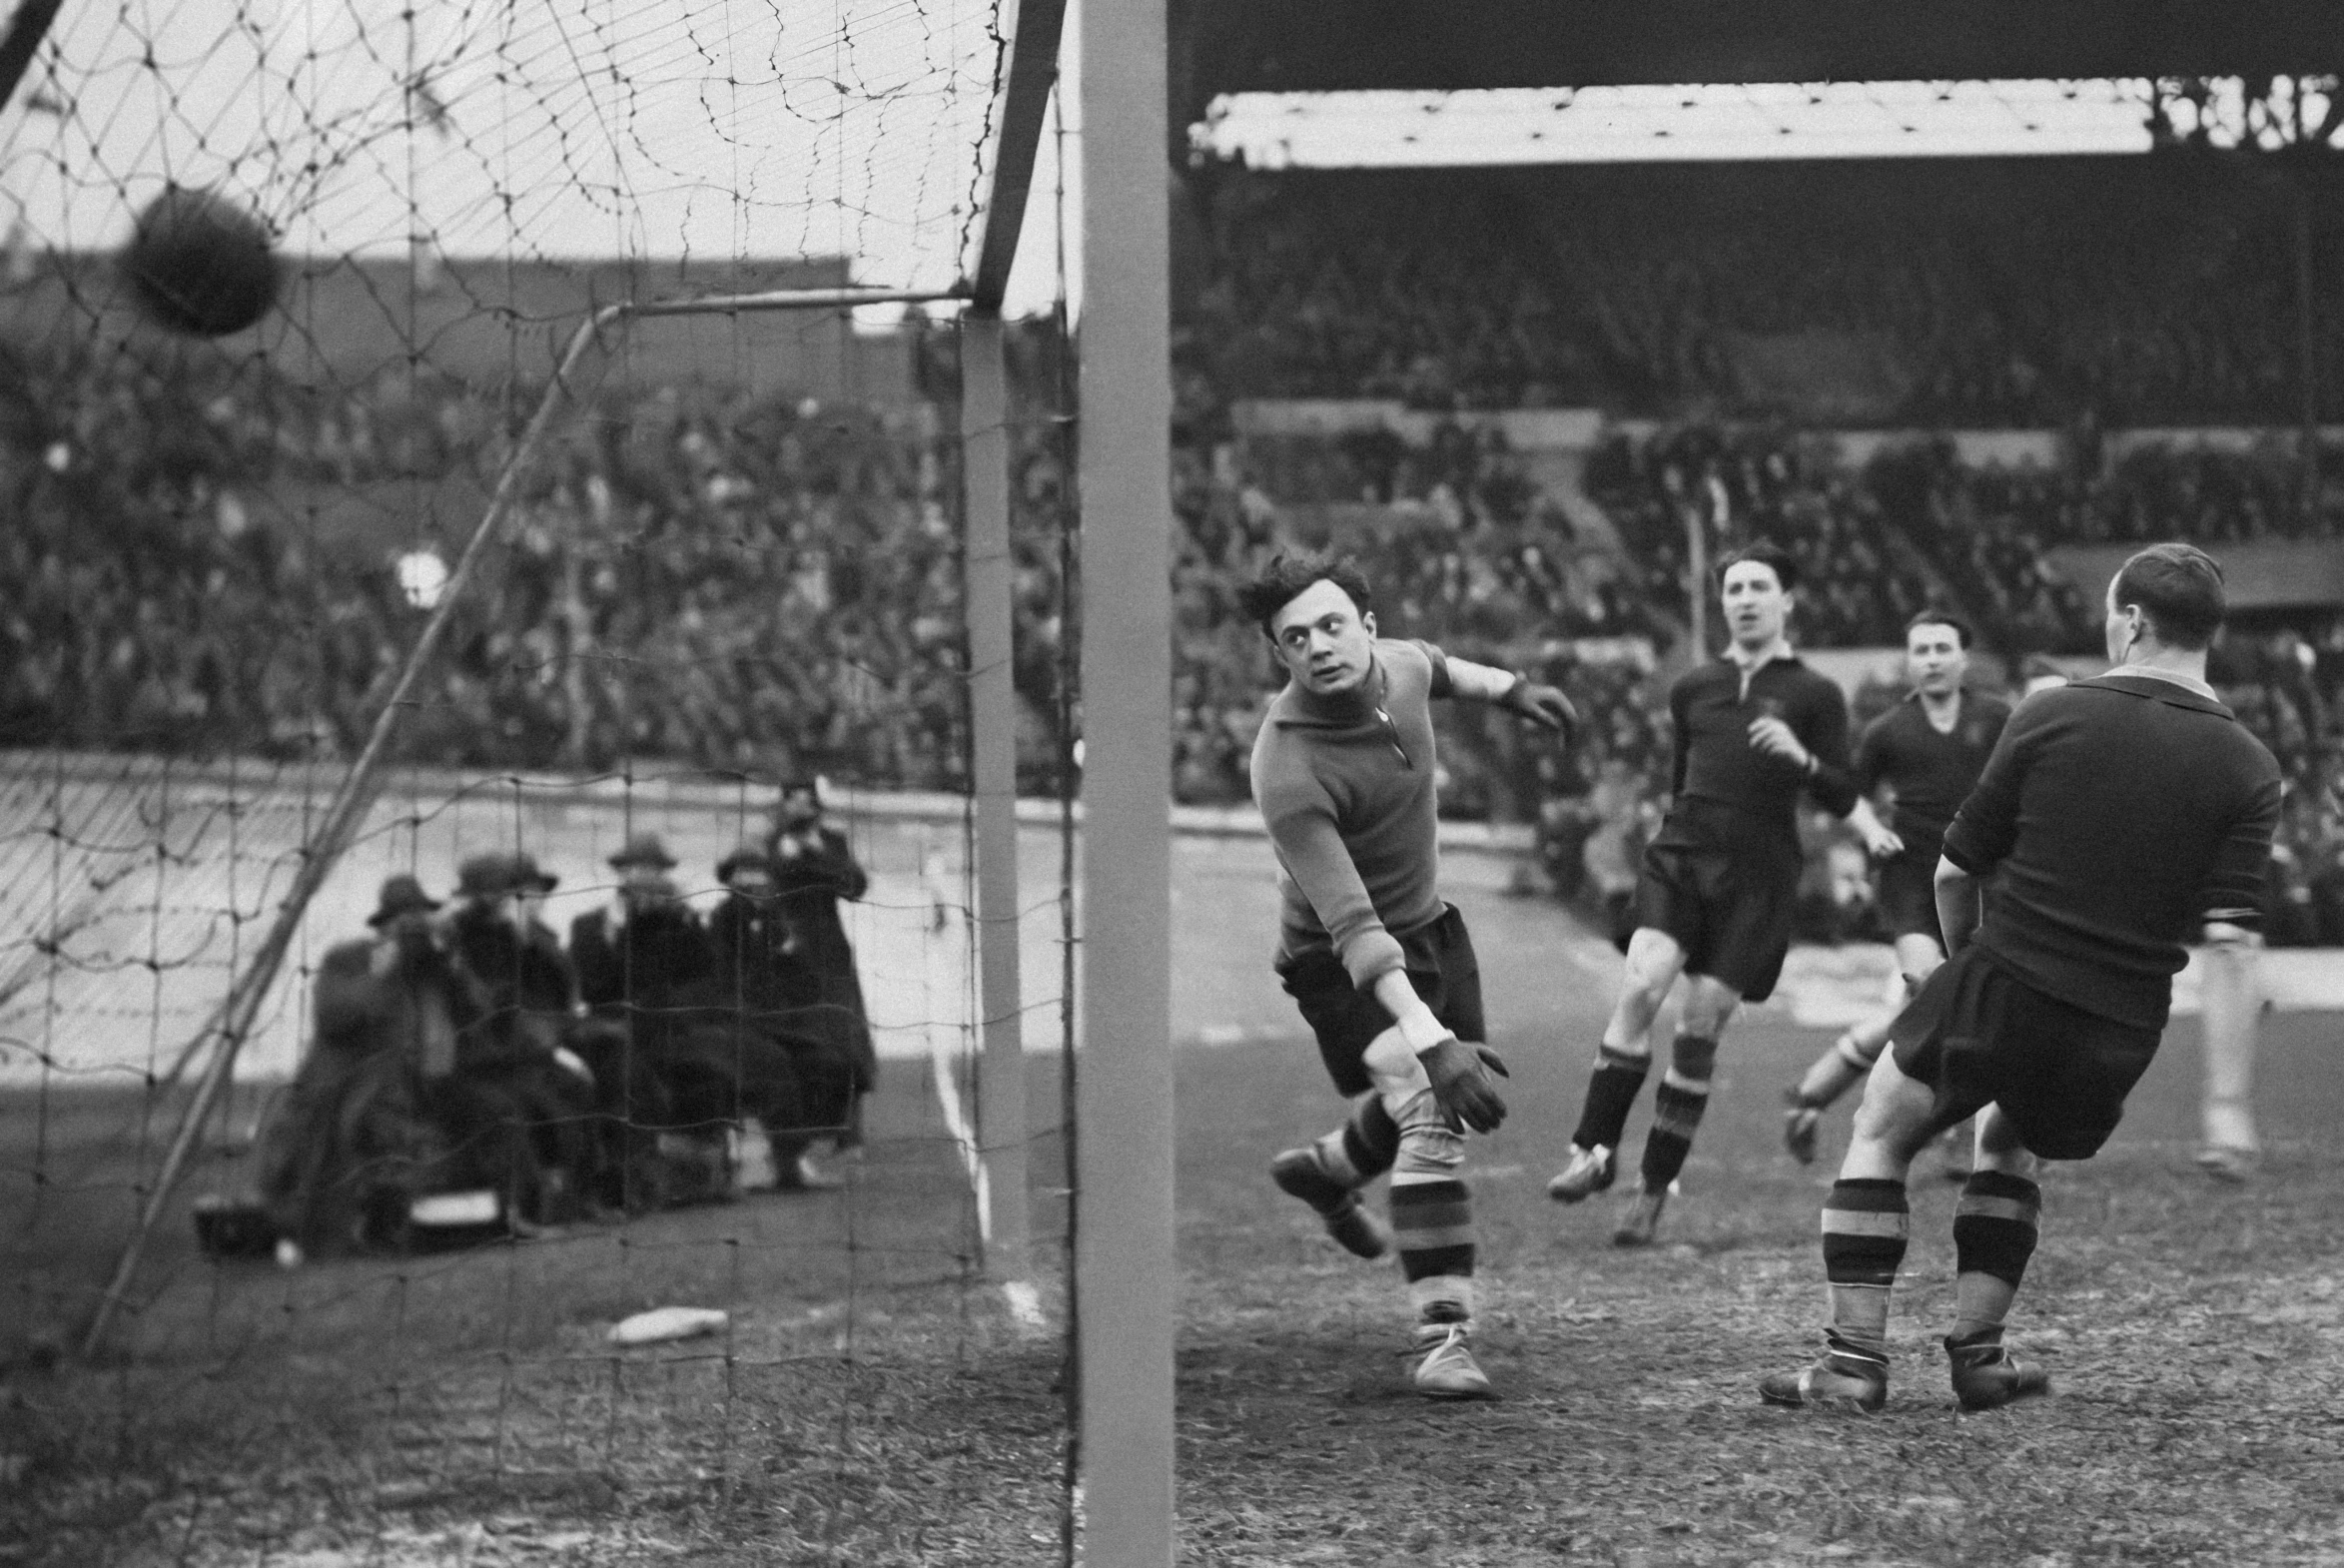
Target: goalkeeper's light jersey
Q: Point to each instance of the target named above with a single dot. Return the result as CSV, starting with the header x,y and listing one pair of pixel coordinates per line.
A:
x,y
1345,785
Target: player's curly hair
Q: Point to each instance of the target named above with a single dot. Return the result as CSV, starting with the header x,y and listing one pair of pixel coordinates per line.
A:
x,y
1766,553
2179,588
1287,575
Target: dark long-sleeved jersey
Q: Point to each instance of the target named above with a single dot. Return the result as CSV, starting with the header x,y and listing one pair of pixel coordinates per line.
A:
x,y
1930,772
1727,794
2122,811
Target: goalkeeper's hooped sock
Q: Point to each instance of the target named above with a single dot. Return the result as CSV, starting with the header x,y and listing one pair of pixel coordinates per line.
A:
x,y
1866,1224
1611,1095
1431,1210
1371,1143
1995,1225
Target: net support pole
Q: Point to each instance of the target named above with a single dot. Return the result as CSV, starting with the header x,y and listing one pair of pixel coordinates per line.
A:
x,y
1123,1267
987,589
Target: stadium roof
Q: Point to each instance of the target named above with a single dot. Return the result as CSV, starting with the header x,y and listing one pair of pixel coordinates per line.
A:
x,y
1231,46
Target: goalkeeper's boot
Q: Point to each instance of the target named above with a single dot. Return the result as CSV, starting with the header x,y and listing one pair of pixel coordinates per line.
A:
x,y
1986,1376
1641,1223
1299,1174
1800,1120
1844,1378
1448,1370
1590,1171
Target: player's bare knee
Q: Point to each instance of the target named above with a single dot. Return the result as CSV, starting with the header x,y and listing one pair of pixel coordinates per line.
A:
x,y
1709,1007
1897,1111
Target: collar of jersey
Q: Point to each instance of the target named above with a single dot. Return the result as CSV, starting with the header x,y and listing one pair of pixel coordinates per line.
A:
x,y
1300,705
2165,688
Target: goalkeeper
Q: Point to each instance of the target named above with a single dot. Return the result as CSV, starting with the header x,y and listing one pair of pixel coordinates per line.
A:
x,y
1381,969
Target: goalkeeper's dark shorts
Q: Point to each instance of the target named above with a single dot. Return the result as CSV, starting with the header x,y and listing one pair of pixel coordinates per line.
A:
x,y
1438,956
1978,1036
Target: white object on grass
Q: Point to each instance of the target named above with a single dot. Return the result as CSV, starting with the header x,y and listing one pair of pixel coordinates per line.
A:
x,y
477,1208
663,1323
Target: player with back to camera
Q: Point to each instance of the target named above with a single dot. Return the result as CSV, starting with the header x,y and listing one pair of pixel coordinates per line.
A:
x,y
1381,969
1929,751
2124,814
1752,729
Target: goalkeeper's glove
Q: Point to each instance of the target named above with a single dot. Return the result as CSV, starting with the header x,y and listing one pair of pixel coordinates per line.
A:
x,y
1542,705
1461,1084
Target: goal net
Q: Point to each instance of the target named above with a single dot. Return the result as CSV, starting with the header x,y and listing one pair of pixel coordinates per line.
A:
x,y
489,1049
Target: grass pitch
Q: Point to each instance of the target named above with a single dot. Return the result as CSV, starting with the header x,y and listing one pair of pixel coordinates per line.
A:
x,y
873,1404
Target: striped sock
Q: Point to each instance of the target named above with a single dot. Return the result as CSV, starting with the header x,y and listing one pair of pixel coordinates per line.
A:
x,y
1994,1229
1432,1213
1611,1094
1675,1109
1364,1148
1865,1226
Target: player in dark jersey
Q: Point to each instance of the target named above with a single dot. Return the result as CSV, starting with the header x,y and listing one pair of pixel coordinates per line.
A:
x,y
2122,814
1928,752
1752,728
1382,969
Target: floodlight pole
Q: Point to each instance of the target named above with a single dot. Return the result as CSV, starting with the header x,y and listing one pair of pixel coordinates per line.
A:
x,y
1128,1286
989,607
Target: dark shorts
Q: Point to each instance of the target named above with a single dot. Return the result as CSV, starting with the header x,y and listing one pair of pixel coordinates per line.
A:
x,y
1907,897
1732,914
1346,1020
1977,1036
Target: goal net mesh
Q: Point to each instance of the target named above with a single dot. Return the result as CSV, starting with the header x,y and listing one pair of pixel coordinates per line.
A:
x,y
321,1196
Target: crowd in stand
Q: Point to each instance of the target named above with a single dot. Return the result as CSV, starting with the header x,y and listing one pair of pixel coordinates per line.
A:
x,y
463,1052
692,573
2025,293
707,575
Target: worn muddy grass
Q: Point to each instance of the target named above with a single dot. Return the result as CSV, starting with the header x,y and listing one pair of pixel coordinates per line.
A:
x,y
465,1410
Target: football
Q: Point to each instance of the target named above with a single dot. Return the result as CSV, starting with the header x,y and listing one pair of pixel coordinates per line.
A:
x,y
200,263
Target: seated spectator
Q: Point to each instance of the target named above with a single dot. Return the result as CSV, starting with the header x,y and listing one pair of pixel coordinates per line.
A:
x,y
378,1114
518,1050
798,1085
633,959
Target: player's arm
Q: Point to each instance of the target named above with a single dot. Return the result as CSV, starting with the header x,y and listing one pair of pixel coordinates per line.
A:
x,y
1982,833
1815,743
1958,905
1301,826
1872,765
1513,691
2233,894
1880,840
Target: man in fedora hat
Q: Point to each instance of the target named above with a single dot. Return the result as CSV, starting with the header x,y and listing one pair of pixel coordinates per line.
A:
x,y
813,869
518,1050
634,957
378,1114
798,1084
